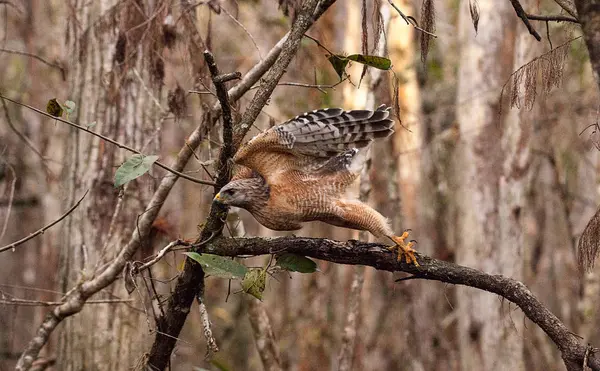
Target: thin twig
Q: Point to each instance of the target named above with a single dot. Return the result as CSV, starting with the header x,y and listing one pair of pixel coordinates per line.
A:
x,y
521,14
211,343
160,254
245,30
319,87
228,150
39,303
154,99
109,140
548,35
319,44
551,18
410,20
45,228
63,72
201,92
21,135
408,278
111,228
11,196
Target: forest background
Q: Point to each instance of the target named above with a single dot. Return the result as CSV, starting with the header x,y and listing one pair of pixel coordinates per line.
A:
x,y
493,166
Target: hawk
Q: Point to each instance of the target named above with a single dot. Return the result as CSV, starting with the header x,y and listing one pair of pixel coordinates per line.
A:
x,y
299,171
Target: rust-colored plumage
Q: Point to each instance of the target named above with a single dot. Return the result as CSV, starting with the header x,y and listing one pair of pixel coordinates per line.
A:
x,y
299,171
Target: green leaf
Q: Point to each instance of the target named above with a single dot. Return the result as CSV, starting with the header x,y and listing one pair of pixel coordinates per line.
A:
x,y
218,266
91,124
254,282
296,263
339,63
69,106
136,166
372,61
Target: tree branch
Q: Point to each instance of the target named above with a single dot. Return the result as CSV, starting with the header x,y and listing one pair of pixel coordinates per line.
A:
x,y
263,335
43,229
379,257
567,6
77,298
521,13
107,139
62,70
311,10
588,13
552,18
191,281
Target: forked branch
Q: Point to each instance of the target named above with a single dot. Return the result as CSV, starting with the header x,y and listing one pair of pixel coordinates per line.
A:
x,y
76,299
190,282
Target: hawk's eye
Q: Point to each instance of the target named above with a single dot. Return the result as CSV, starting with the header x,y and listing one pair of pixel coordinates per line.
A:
x,y
229,192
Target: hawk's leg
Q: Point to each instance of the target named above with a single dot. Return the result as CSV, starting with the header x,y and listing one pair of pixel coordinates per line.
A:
x,y
357,215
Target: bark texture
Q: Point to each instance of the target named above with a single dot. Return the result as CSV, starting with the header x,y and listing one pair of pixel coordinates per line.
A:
x,y
491,165
111,86
588,12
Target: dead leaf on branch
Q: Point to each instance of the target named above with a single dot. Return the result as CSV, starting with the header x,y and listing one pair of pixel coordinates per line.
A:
x,y
428,24
589,243
545,70
474,10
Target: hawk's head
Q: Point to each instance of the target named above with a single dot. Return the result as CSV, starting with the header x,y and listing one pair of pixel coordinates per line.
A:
x,y
245,193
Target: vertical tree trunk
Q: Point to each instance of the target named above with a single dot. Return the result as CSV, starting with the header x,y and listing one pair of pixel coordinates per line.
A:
x,y
491,167
110,85
407,143
416,312
29,270
589,17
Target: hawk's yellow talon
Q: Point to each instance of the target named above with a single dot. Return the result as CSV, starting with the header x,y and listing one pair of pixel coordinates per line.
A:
x,y
404,249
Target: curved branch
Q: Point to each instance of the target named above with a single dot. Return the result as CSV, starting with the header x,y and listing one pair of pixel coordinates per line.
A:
x,y
552,18
44,228
191,280
377,256
77,298
521,14
567,6
109,140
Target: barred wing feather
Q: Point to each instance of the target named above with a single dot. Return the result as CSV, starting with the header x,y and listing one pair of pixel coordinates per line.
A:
x,y
309,140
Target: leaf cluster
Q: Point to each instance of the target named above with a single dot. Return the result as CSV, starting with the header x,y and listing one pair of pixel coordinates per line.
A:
x,y
253,280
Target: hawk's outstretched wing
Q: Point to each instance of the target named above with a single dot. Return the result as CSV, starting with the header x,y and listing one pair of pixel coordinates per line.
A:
x,y
308,141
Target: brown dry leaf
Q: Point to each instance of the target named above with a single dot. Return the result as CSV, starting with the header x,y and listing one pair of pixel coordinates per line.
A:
x,y
474,10
546,69
377,24
589,243
428,24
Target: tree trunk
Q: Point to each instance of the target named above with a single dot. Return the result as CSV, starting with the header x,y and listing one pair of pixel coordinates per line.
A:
x,y
588,12
111,86
491,166
27,171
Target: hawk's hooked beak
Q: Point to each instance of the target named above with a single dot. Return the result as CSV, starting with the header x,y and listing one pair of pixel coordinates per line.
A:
x,y
218,198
